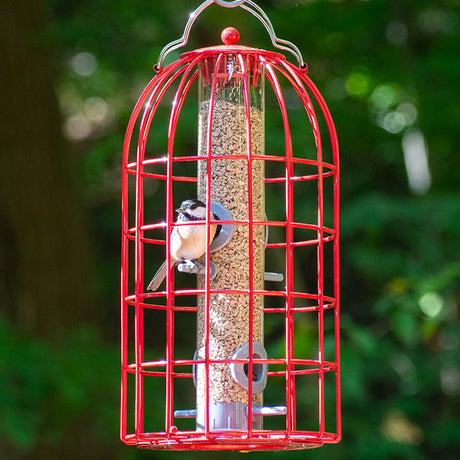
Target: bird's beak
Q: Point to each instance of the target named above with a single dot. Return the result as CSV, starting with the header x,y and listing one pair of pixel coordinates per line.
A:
x,y
180,210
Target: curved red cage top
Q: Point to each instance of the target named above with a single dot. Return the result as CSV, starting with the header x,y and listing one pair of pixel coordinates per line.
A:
x,y
281,193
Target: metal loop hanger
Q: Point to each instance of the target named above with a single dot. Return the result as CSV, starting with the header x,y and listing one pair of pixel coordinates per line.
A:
x,y
247,5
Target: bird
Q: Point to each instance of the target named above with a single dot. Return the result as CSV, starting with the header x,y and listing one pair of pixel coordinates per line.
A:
x,y
187,242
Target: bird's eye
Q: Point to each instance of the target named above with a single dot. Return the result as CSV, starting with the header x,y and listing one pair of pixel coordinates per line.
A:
x,y
194,206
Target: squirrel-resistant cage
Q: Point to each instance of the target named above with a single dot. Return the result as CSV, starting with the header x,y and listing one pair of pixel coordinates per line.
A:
x,y
240,349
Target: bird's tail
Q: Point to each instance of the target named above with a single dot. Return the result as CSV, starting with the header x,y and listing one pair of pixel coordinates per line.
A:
x,y
159,276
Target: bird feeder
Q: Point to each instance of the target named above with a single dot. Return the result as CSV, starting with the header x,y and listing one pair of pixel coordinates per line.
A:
x,y
238,350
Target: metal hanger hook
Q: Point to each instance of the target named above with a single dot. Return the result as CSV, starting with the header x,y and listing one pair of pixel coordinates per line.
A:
x,y
247,5
230,4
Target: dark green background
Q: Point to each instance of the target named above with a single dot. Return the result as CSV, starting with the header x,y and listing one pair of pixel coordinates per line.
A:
x,y
71,72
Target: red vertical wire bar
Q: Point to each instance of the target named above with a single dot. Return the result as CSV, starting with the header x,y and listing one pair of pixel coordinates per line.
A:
x,y
336,189
335,153
164,83
320,248
125,262
138,279
247,106
169,281
208,195
207,281
139,254
336,192
320,285
319,257
153,85
207,262
289,339
124,281
178,102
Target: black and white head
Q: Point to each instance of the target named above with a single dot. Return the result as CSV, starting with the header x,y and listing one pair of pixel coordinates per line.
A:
x,y
191,210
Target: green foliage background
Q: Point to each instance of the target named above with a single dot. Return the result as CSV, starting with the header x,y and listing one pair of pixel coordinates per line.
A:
x,y
386,69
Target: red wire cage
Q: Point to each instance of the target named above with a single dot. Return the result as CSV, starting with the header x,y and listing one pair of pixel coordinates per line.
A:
x,y
168,393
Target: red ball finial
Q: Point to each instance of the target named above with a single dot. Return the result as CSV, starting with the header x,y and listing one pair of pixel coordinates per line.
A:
x,y
230,36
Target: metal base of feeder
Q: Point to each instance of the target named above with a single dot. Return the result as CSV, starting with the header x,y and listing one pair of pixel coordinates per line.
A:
x,y
227,416
230,441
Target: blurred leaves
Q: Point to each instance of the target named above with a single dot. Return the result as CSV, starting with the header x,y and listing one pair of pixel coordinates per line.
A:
x,y
44,387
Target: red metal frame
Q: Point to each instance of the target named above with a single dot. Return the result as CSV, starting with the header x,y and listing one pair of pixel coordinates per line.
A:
x,y
135,300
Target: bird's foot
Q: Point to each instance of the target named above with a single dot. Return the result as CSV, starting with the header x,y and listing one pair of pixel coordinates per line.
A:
x,y
196,268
